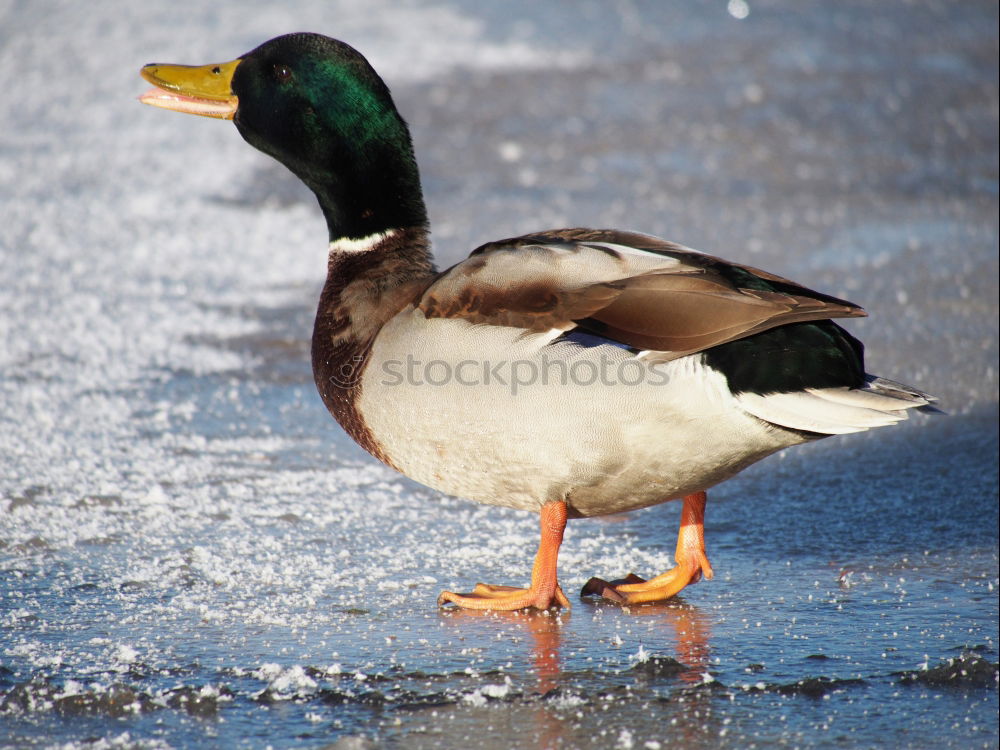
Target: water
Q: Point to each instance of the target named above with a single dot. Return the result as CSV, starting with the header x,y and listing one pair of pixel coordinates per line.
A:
x,y
193,554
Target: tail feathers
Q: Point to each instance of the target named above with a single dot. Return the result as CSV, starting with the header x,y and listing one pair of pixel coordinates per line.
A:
x,y
836,411
918,399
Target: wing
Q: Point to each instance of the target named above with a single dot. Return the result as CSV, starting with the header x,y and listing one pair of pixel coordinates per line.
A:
x,y
640,291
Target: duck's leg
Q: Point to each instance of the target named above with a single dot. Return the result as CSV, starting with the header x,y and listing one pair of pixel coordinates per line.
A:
x,y
544,591
692,563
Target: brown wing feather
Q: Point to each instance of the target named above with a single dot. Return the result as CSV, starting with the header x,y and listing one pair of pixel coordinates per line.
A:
x,y
686,314
535,306
676,304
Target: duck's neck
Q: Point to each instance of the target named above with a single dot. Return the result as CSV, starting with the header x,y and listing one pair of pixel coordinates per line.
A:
x,y
370,194
372,278
375,213
369,281
367,185
360,210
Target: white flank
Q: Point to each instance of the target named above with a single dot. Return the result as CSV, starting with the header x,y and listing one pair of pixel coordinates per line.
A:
x,y
551,422
363,245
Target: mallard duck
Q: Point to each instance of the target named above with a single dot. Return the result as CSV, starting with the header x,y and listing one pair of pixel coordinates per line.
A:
x,y
572,373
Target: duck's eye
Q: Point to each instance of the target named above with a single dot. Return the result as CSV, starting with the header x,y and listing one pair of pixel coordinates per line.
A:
x,y
282,72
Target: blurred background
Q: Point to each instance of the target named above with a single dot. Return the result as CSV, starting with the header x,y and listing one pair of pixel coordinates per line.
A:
x,y
192,552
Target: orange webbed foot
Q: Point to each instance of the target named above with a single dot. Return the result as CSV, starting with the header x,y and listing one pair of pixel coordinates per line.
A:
x,y
544,591
635,590
692,564
506,598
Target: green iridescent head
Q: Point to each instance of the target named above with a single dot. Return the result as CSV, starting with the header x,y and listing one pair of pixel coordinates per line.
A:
x,y
318,107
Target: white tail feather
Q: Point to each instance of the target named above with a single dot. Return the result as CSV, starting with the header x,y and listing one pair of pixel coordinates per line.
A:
x,y
836,411
864,399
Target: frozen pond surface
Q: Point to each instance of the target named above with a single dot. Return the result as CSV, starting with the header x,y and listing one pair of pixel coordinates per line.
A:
x,y
193,554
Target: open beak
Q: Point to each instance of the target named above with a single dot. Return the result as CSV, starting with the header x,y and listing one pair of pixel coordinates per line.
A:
x,y
196,89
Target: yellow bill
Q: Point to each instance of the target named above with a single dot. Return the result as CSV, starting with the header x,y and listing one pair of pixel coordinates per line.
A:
x,y
204,90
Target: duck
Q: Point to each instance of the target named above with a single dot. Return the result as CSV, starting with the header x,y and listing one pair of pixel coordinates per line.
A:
x,y
573,373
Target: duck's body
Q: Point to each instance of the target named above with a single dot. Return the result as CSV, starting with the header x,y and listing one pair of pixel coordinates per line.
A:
x,y
522,415
571,373
676,431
